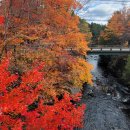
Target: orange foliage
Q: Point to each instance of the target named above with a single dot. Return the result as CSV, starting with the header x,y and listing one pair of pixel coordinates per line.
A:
x,y
43,31
46,31
117,30
22,106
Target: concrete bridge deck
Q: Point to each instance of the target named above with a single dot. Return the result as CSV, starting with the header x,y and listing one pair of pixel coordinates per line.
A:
x,y
109,50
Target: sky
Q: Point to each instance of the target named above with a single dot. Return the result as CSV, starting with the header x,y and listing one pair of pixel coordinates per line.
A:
x,y
100,11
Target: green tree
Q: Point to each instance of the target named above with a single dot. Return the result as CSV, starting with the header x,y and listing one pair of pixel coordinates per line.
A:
x,y
126,73
96,29
84,28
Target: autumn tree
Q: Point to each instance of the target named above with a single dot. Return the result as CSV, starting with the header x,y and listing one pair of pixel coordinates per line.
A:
x,y
22,105
41,31
48,31
117,28
108,37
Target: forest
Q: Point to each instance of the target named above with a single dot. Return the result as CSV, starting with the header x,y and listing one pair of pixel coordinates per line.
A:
x,y
43,66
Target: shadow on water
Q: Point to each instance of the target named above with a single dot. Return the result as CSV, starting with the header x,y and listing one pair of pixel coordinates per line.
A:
x,y
104,107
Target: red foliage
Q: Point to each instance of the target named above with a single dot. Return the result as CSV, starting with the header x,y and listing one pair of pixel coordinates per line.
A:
x,y
1,19
22,105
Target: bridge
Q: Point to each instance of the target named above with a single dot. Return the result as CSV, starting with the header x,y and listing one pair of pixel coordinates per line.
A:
x,y
108,50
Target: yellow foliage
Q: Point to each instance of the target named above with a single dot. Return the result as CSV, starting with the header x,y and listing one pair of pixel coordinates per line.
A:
x,y
47,39
81,73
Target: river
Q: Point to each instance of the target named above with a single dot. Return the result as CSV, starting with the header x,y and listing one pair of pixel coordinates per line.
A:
x,y
105,108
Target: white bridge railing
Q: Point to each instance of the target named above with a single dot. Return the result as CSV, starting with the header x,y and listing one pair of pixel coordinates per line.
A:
x,y
110,49
106,50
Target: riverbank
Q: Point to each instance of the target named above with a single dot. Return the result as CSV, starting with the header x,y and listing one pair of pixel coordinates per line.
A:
x,y
116,66
104,109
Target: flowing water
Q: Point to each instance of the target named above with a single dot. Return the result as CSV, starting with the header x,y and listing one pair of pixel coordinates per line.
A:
x,y
104,108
